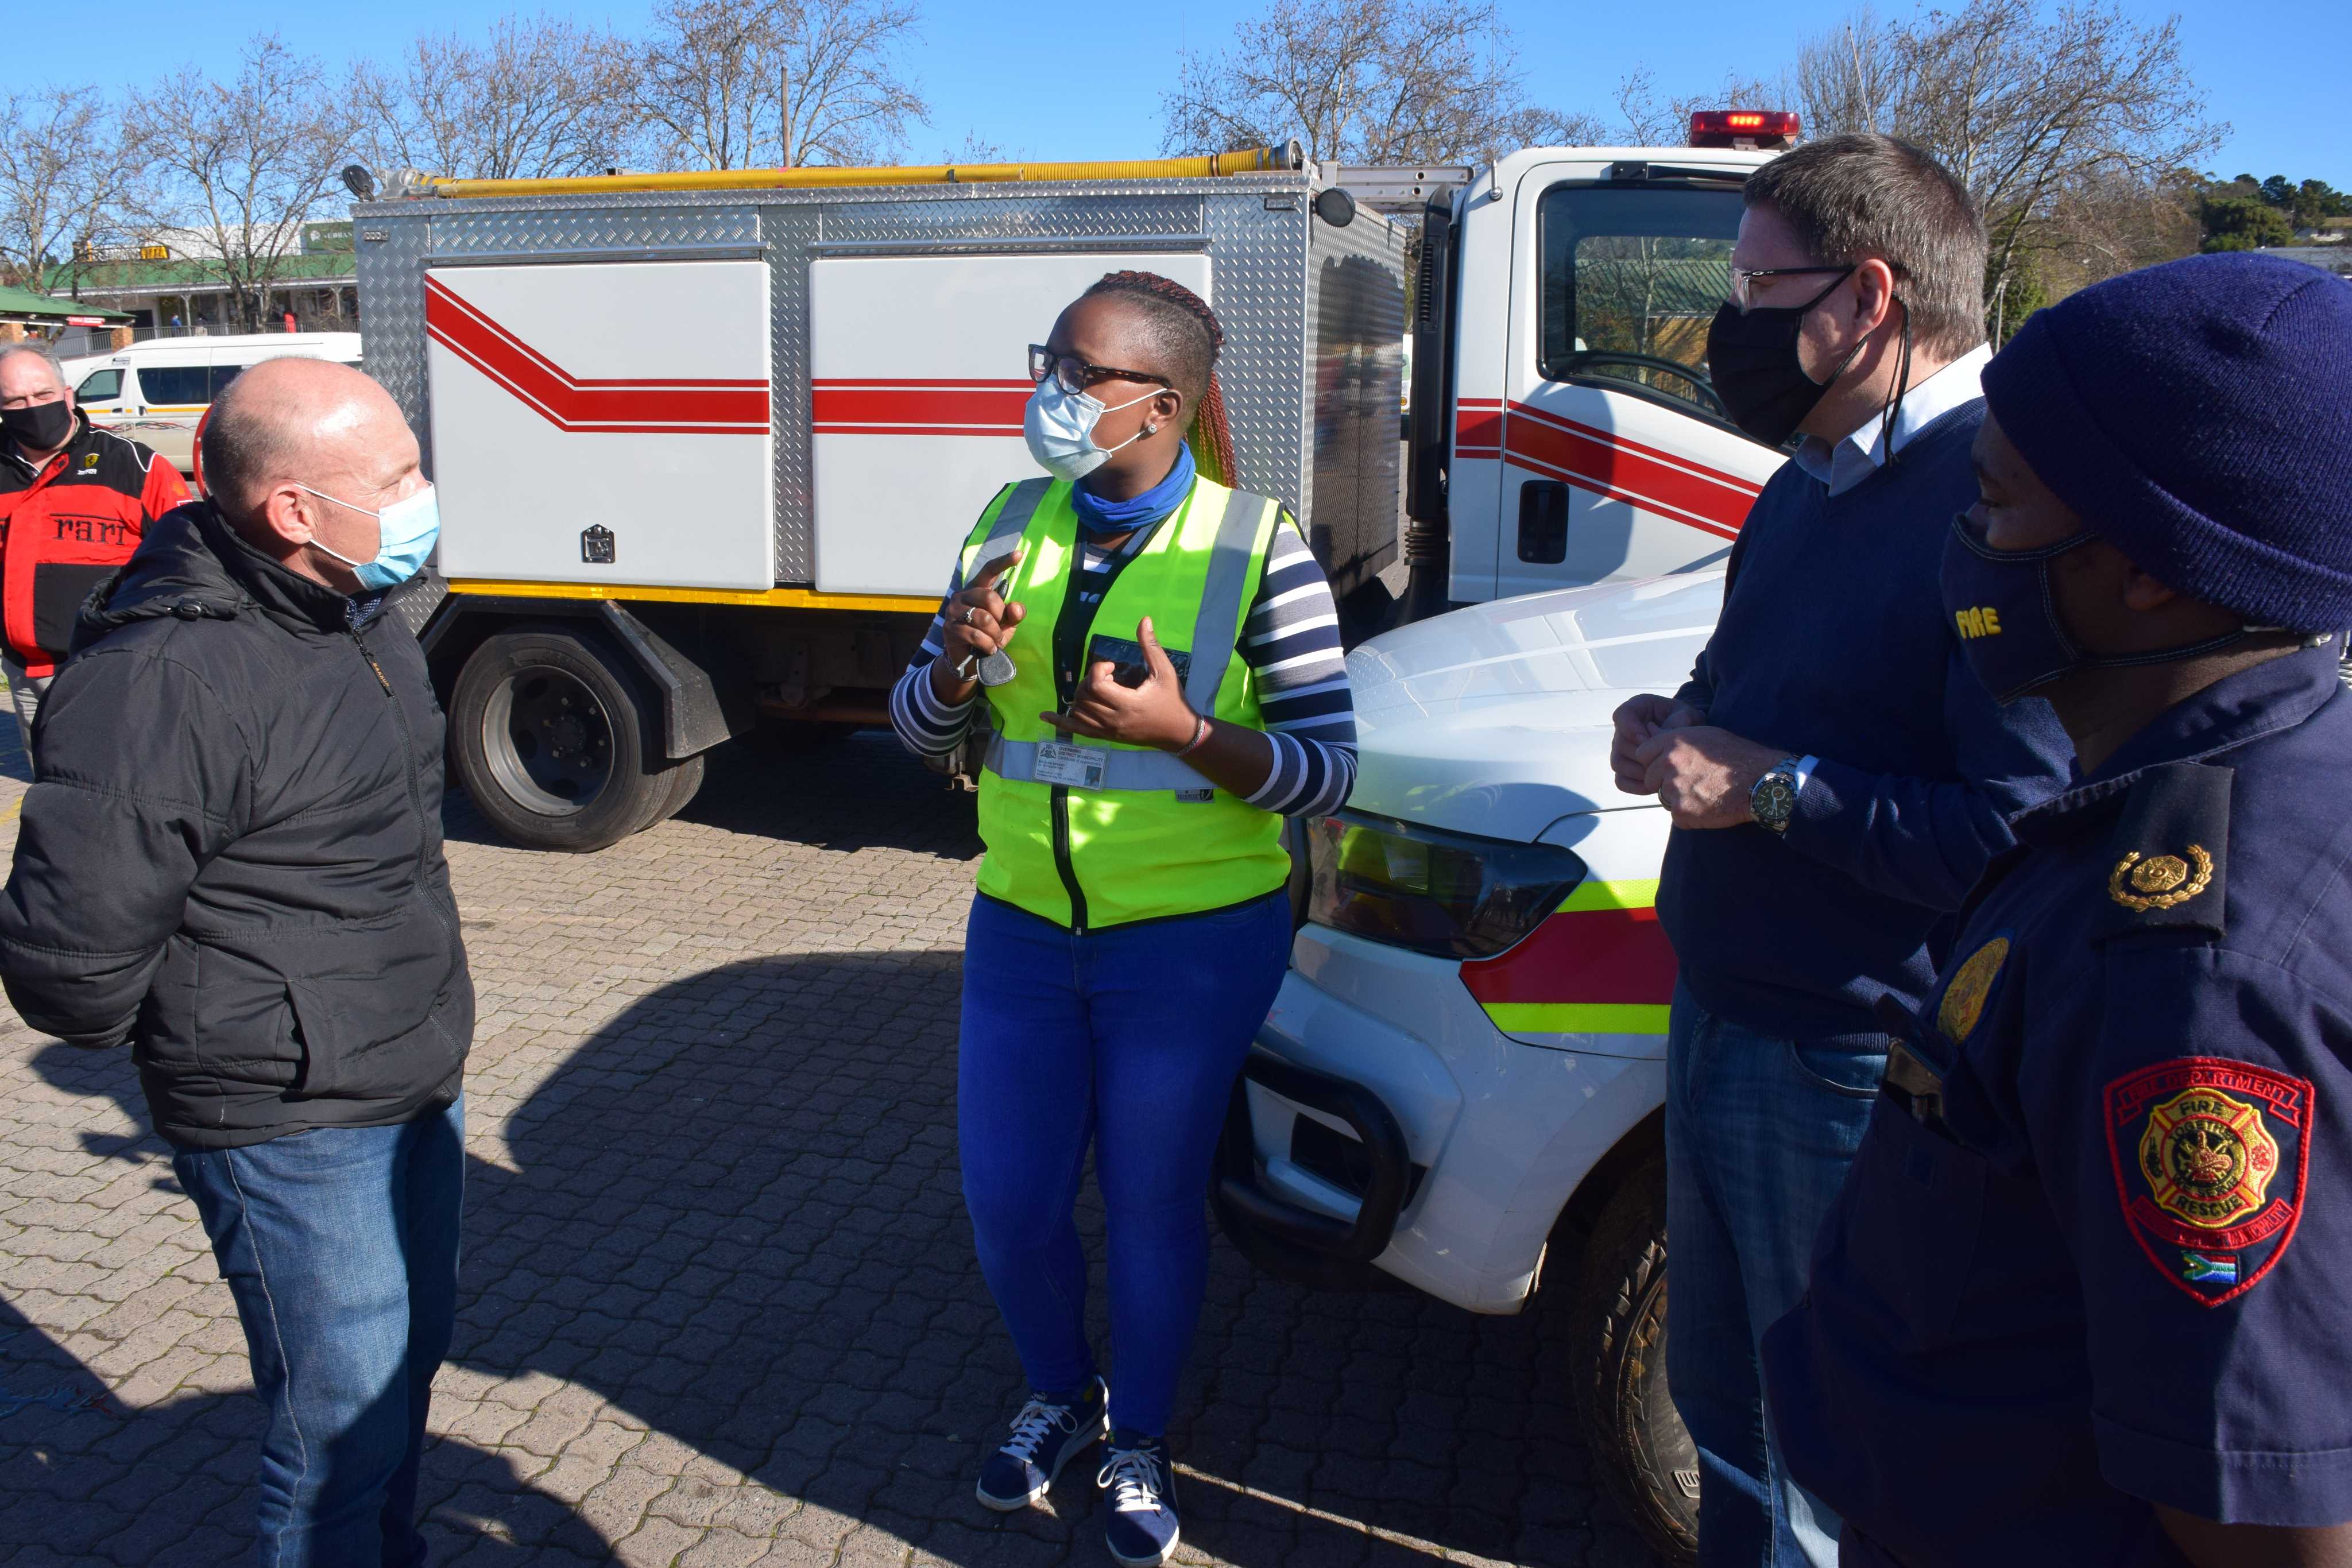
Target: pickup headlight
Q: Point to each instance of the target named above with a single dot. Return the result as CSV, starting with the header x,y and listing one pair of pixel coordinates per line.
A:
x,y
1448,895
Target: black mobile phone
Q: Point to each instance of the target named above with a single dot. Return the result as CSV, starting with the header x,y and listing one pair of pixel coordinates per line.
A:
x,y
1129,667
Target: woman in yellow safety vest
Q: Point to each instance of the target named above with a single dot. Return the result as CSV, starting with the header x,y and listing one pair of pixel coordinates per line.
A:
x,y
1160,659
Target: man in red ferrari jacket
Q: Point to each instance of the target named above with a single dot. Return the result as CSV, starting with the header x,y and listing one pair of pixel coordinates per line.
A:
x,y
74,501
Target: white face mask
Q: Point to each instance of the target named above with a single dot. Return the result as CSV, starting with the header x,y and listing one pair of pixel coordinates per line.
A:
x,y
1060,428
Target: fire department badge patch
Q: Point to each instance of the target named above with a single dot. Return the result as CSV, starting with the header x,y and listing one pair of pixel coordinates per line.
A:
x,y
1971,983
2210,1159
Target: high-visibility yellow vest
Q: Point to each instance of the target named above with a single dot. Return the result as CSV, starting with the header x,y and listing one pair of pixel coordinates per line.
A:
x,y
1140,835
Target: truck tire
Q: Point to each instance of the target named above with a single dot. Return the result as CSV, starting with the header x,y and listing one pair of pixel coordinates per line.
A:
x,y
685,782
551,735
1617,1342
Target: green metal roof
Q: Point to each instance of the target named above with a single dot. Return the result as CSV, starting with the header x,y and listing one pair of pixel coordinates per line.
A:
x,y
24,305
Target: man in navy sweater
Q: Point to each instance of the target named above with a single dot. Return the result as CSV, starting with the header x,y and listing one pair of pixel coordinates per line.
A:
x,y
1837,778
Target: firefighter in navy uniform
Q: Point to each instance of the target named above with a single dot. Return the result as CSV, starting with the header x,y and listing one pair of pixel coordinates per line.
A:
x,y
2084,1296
74,502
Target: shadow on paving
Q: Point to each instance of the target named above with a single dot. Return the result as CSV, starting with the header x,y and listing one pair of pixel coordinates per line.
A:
x,y
171,1484
734,1213
841,794
736,1217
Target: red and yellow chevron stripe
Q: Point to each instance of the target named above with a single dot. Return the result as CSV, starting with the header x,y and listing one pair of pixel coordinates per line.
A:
x,y
1598,964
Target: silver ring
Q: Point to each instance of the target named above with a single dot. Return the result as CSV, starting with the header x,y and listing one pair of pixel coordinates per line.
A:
x,y
968,612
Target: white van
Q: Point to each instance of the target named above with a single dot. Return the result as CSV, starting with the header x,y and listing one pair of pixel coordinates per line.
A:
x,y
156,391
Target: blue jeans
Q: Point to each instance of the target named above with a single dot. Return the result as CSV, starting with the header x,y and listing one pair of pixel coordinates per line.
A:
x,y
1131,1038
341,1246
1759,1132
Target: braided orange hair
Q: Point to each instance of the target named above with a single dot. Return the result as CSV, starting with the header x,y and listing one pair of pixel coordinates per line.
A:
x,y
1211,439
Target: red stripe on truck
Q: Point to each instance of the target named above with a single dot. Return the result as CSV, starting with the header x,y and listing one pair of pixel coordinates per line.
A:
x,y
1607,464
602,405
1479,427
1582,956
863,407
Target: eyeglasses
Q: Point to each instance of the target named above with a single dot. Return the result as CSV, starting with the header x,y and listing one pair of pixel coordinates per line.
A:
x,y
1743,280
1076,375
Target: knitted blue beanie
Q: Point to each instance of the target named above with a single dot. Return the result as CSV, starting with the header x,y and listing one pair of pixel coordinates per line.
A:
x,y
2198,415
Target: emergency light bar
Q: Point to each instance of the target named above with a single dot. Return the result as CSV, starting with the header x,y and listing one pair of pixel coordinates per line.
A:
x,y
1750,128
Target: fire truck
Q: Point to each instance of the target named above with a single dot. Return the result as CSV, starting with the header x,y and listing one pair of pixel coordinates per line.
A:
x,y
707,445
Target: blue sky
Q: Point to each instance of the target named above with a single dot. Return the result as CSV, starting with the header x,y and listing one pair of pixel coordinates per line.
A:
x,y
1054,82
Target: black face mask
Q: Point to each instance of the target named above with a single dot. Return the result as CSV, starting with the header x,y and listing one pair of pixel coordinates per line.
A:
x,y
43,427
1752,361
2001,606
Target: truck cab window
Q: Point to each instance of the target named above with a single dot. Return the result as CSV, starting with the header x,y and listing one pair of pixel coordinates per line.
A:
x,y
100,386
1632,275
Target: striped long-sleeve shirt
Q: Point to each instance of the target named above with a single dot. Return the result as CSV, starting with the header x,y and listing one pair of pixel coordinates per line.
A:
x,y
1291,639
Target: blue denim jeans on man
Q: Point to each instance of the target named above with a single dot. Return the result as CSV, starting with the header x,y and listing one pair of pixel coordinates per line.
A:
x,y
1129,1039
341,1246
1759,1132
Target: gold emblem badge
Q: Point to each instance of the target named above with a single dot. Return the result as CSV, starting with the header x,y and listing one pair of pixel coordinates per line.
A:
x,y
2208,1158
1964,999
2158,882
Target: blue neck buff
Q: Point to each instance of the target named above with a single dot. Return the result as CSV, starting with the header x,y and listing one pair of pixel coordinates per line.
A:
x,y
1101,517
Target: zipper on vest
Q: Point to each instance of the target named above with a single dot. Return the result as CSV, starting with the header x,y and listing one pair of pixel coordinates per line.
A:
x,y
1062,862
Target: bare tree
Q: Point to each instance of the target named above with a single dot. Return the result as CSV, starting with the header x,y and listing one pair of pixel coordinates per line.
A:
x,y
2040,115
65,181
976,149
541,96
245,164
733,85
1646,117
2112,222
1366,82
843,97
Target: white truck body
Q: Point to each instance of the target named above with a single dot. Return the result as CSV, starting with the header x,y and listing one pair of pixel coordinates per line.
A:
x,y
1492,722
818,388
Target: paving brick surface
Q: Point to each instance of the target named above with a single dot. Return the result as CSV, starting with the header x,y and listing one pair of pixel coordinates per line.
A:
x,y
718,1303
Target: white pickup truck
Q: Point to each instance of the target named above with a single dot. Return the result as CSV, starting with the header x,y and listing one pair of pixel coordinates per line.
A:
x,y
1461,1084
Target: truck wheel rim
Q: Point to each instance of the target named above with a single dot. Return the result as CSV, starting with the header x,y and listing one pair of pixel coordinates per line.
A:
x,y
547,740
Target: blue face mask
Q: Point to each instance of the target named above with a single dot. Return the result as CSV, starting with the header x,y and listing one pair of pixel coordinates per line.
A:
x,y
1999,602
405,534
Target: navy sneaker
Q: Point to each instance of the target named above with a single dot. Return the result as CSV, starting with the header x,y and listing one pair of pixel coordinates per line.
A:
x,y
1047,1435
1140,1524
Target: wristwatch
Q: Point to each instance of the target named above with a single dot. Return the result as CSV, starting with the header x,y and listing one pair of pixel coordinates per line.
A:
x,y
1773,800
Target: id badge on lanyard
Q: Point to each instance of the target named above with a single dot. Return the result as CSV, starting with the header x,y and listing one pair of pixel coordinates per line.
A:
x,y
1079,766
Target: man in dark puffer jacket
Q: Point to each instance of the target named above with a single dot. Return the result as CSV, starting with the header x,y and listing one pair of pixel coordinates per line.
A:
x,y
231,860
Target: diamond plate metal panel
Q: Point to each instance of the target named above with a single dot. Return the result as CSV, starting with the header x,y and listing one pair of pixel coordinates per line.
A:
x,y
1259,256
391,274
992,217
1355,354
469,230
791,232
